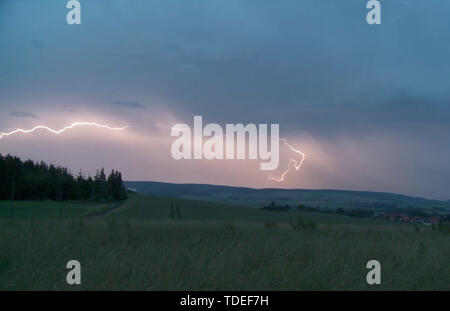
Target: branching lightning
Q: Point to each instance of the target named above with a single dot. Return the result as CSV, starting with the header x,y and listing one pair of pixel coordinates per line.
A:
x,y
293,163
297,164
57,132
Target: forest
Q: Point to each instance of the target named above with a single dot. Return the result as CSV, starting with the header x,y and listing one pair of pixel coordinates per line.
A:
x,y
27,180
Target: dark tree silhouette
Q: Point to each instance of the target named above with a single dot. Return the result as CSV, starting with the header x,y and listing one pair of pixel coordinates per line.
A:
x,y
26,180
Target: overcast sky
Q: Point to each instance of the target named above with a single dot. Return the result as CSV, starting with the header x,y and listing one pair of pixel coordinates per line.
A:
x,y
369,105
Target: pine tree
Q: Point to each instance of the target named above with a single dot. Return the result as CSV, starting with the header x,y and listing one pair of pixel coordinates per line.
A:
x,y
38,181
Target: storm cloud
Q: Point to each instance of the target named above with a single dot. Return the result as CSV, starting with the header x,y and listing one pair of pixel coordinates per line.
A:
x,y
368,104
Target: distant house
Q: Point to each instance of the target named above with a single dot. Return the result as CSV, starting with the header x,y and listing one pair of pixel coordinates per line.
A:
x,y
379,215
417,220
393,216
404,218
434,220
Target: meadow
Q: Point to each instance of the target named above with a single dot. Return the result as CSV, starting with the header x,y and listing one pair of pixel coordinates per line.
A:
x,y
50,209
141,245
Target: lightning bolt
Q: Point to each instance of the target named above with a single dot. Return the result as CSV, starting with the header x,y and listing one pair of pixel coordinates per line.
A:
x,y
297,164
57,132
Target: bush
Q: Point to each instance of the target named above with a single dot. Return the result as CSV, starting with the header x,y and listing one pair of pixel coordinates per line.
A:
x,y
302,226
270,224
274,207
230,227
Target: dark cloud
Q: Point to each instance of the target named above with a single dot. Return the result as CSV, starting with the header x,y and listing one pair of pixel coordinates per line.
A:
x,y
23,114
314,67
129,104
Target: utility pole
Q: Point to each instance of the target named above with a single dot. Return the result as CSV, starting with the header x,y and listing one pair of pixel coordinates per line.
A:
x,y
178,212
60,202
13,192
171,211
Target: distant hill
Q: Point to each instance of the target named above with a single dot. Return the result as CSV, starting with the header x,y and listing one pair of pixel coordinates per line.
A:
x,y
293,197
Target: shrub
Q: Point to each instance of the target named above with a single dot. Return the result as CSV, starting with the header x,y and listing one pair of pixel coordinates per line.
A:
x,y
270,224
302,226
230,227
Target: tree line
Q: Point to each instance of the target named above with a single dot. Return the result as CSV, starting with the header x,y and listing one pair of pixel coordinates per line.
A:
x,y
27,180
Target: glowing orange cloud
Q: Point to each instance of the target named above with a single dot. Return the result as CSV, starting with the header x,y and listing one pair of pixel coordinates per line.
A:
x,y
296,163
73,125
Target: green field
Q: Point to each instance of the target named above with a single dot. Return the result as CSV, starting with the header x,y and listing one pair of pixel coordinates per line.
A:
x,y
50,209
158,208
137,245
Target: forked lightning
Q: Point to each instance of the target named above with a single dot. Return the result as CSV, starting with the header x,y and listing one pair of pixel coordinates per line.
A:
x,y
292,162
57,132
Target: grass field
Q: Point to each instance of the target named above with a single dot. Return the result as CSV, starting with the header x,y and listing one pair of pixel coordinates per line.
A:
x,y
213,247
158,208
50,209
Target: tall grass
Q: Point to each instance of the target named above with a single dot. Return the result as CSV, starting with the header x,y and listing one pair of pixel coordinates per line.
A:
x,y
126,254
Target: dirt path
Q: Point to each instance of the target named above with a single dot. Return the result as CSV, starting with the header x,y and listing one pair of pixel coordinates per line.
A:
x,y
105,211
